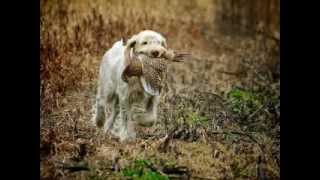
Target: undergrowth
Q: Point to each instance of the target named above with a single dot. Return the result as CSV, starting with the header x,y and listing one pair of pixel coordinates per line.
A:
x,y
142,169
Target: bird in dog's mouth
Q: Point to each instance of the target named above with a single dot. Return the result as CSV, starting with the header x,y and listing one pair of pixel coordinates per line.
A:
x,y
151,70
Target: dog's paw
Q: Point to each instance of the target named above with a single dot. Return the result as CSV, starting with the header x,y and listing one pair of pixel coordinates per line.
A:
x,y
126,136
100,117
108,126
147,120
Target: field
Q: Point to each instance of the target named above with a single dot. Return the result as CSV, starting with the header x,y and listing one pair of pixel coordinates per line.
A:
x,y
220,112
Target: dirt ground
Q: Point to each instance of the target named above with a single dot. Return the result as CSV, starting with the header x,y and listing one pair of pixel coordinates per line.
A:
x,y
199,135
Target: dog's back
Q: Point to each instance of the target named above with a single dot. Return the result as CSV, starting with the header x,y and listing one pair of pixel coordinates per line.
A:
x,y
111,67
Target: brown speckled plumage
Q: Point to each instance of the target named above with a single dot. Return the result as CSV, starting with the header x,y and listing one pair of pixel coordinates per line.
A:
x,y
153,70
150,69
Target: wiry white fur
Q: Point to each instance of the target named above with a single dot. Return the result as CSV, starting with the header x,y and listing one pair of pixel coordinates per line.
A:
x,y
114,93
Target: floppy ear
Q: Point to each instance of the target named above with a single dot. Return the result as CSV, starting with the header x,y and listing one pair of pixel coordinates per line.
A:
x,y
132,42
164,44
132,66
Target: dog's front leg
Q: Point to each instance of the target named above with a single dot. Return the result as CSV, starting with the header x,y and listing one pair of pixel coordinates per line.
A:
x,y
127,132
149,117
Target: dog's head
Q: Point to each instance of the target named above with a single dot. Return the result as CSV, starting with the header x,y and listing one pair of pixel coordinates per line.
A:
x,y
149,43
141,48
145,56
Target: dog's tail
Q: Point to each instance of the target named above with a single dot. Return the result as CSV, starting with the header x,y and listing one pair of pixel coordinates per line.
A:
x,y
119,44
116,49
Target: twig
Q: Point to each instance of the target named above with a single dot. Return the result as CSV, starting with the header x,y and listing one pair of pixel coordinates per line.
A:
x,y
202,178
233,132
255,112
181,170
163,147
232,73
77,168
260,168
167,171
242,134
214,94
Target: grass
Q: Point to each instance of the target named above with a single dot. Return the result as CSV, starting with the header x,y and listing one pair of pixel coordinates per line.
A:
x,y
140,169
74,37
244,102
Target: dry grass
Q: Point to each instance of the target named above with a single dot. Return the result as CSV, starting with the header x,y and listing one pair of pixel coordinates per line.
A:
x,y
74,37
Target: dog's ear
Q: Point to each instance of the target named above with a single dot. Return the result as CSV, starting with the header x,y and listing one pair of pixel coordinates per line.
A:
x,y
131,42
124,39
164,44
129,57
132,66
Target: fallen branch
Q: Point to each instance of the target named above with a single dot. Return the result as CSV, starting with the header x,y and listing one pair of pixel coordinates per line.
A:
x,y
74,167
181,170
77,168
170,171
256,112
166,140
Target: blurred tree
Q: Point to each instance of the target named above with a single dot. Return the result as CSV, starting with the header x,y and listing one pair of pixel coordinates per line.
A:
x,y
248,16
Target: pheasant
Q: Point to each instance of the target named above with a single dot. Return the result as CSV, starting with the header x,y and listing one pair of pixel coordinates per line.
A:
x,y
150,70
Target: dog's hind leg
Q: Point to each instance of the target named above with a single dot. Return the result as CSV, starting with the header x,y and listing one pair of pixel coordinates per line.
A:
x,y
103,96
114,113
127,131
100,116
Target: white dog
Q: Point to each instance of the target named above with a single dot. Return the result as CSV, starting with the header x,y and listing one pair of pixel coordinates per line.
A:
x,y
121,96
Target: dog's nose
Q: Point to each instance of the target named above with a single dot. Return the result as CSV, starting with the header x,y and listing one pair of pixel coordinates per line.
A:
x,y
155,53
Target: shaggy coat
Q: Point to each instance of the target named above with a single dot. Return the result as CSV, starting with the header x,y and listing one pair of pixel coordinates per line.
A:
x,y
134,102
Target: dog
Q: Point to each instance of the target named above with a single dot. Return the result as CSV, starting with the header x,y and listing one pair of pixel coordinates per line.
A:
x,y
122,96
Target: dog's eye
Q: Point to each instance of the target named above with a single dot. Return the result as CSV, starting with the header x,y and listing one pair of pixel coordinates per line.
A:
x,y
144,43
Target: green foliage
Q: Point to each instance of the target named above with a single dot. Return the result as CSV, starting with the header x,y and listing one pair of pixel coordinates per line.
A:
x,y
95,177
194,119
140,169
257,110
190,117
170,163
244,102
